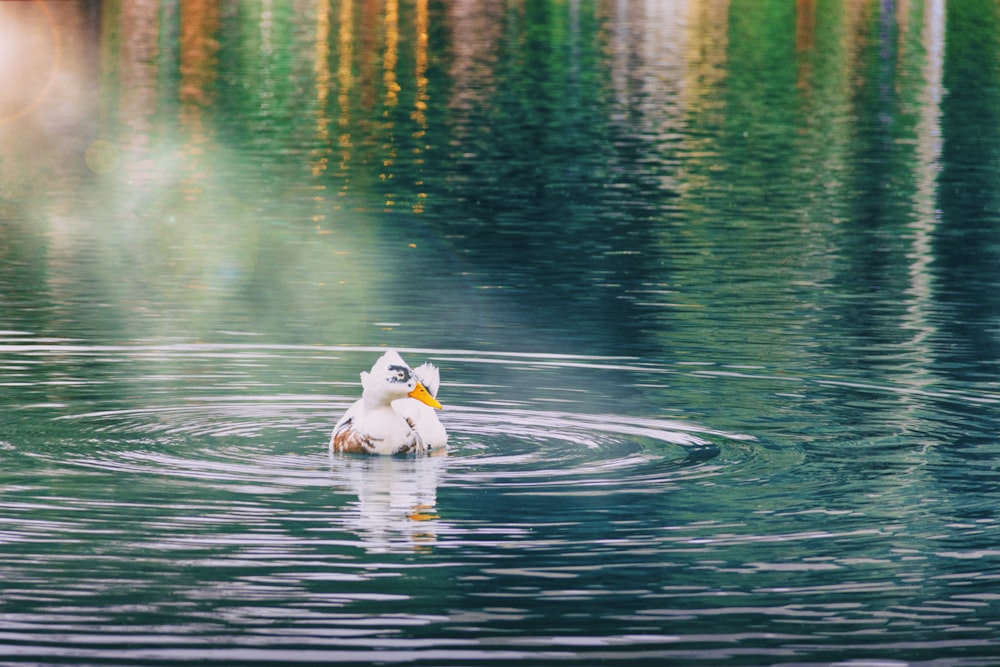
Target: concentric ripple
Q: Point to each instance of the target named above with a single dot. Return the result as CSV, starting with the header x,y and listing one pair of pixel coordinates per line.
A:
x,y
212,498
280,442
563,452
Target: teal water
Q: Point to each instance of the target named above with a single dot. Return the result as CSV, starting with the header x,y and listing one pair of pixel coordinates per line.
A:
x,y
712,287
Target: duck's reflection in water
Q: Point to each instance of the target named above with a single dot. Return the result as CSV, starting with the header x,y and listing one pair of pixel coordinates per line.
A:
x,y
396,505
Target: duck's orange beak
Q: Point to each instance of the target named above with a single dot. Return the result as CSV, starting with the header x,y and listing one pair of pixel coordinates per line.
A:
x,y
421,394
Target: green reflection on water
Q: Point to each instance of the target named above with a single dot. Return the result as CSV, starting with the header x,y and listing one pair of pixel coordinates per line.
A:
x,y
695,177
782,214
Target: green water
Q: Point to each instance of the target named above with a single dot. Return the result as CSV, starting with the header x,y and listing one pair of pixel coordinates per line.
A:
x,y
712,285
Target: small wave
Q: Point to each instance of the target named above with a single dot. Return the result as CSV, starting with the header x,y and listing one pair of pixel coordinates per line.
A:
x,y
278,443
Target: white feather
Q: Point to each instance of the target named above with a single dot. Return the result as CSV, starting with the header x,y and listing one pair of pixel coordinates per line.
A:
x,y
425,418
377,423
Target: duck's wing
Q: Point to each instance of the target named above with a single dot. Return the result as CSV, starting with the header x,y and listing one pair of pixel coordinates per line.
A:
x,y
346,437
417,444
349,440
352,441
424,422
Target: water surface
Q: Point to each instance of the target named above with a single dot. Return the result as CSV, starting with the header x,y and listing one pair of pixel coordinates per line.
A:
x,y
712,287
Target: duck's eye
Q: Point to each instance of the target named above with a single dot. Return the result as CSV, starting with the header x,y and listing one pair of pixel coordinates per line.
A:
x,y
399,374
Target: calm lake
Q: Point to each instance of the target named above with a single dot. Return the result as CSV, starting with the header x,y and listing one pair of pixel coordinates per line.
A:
x,y
713,285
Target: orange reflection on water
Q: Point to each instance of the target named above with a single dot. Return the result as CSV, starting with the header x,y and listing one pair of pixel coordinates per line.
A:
x,y
198,64
345,81
419,115
391,57
389,63
199,46
321,68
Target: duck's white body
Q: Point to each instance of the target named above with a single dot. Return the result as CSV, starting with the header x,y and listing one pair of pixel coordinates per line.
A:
x,y
372,425
423,417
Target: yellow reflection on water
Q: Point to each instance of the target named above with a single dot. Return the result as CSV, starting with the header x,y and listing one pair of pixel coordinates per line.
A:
x,y
321,68
345,81
420,104
391,58
389,64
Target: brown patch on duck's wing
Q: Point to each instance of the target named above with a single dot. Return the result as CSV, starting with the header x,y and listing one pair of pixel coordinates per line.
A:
x,y
348,440
352,442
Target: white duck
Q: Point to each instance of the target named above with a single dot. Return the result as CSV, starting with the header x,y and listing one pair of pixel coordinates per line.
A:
x,y
423,417
372,425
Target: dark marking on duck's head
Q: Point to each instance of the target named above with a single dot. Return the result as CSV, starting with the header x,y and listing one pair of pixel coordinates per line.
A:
x,y
399,374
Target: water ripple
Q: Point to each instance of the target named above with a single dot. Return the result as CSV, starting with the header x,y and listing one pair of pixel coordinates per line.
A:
x,y
275,442
226,515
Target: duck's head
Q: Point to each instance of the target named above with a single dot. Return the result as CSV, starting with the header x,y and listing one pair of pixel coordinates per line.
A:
x,y
390,379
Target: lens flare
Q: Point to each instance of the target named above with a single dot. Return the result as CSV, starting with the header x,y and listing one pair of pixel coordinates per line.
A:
x,y
29,57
